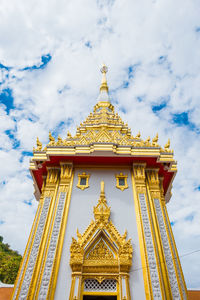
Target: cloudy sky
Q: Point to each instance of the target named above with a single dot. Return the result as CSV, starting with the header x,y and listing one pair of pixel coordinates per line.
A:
x,y
50,54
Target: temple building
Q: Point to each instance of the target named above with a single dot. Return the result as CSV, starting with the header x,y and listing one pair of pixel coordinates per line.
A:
x,y
101,230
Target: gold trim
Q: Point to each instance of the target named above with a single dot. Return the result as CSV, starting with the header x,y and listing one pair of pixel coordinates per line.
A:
x,y
121,176
51,188
29,243
54,275
163,266
173,258
47,241
63,183
143,251
140,183
83,176
42,199
154,244
100,250
163,207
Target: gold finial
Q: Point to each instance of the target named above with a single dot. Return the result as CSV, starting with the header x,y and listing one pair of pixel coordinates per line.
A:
x,y
102,188
104,86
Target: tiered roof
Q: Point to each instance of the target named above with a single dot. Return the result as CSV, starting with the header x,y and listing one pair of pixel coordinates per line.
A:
x,y
104,134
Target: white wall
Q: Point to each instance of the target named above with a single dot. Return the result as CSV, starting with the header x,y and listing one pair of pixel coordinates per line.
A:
x,y
81,214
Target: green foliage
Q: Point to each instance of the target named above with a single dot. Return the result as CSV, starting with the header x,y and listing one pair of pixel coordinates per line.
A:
x,y
9,263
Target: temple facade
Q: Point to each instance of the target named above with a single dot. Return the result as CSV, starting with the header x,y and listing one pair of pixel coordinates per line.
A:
x,y
101,230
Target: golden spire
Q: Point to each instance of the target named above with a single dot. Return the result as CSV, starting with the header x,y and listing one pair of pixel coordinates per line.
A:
x,y
104,86
102,188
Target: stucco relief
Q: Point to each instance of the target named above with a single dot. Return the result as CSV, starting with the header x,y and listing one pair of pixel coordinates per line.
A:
x,y
25,258
34,251
150,249
177,265
168,256
52,248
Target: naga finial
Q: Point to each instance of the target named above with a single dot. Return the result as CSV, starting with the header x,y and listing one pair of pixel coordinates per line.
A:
x,y
51,139
39,145
155,140
168,144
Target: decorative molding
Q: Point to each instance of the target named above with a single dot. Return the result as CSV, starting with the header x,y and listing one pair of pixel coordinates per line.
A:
x,y
34,251
52,176
139,173
153,269
83,177
65,173
54,243
24,261
153,178
121,181
167,252
176,259
52,248
100,249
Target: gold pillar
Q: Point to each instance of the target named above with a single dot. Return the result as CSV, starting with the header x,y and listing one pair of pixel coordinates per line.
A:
x,y
153,282
24,261
51,189
153,189
34,251
169,268
66,183
173,244
46,279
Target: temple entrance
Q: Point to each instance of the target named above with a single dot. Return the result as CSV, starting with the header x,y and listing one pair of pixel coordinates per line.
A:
x,y
100,258
96,297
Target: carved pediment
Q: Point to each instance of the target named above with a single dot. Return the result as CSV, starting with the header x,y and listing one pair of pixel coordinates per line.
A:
x,y
101,244
100,252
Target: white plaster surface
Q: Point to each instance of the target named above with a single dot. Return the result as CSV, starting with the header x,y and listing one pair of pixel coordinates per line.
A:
x,y
81,214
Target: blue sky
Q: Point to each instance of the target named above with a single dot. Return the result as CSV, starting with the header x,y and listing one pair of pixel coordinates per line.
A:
x,y
50,55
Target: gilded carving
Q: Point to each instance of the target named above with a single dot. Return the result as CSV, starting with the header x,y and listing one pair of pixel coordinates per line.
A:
x,y
65,172
121,181
153,178
39,146
83,181
139,173
103,126
101,246
51,139
155,141
52,175
100,252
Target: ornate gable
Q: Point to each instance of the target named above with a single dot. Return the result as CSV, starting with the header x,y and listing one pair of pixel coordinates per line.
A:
x,y
101,245
101,251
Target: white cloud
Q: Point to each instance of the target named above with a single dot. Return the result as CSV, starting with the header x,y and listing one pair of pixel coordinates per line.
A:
x,y
159,37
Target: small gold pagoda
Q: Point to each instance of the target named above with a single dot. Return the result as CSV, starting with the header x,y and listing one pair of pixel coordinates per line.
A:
x,y
101,230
